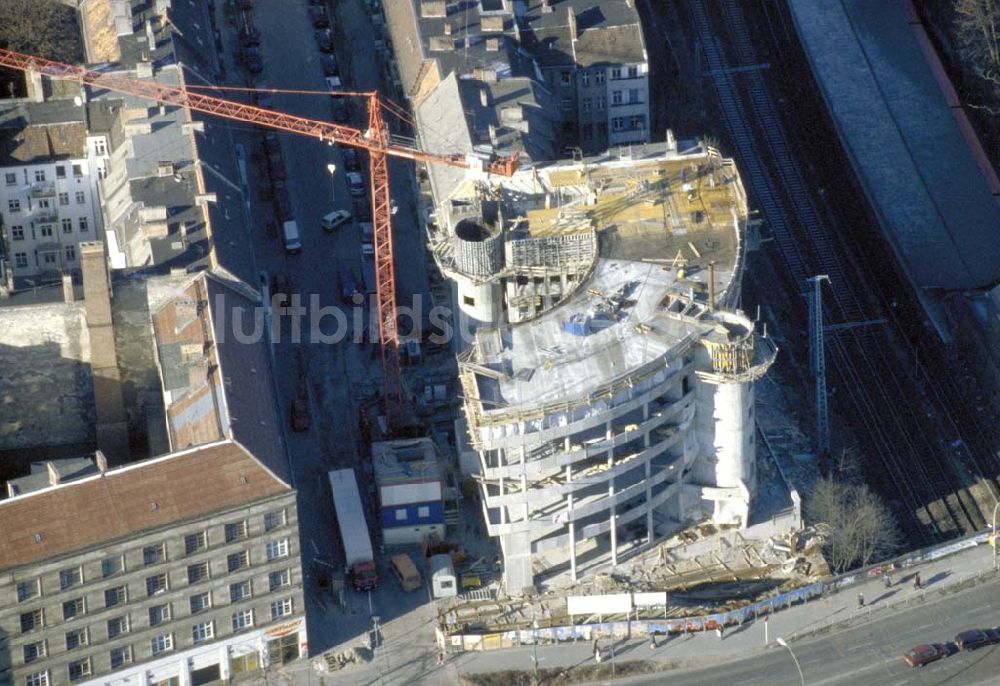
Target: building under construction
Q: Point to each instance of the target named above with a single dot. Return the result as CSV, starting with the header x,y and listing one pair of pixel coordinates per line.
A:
x,y
609,379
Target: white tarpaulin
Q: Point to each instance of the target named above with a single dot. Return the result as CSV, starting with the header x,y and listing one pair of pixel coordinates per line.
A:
x,y
650,599
617,603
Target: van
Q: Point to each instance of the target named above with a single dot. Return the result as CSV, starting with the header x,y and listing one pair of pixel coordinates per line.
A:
x,y
406,572
290,233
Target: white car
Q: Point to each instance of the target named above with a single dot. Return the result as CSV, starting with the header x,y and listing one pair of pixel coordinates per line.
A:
x,y
335,219
355,184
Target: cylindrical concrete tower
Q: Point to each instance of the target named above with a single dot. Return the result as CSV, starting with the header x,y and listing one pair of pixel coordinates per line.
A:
x,y
478,261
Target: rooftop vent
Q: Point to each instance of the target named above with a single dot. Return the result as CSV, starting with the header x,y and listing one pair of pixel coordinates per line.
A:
x,y
492,44
165,168
433,8
493,24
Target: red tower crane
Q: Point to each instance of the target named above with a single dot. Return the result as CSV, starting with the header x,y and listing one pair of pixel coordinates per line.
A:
x,y
375,139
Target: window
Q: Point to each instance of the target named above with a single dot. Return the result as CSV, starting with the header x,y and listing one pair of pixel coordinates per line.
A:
x,y
469,300
26,590
81,197
565,103
633,72
82,223
197,572
117,626
111,566
600,102
401,514
100,148
79,669
37,679
237,561
64,199
585,78
49,258
599,78
633,95
586,104
60,172
616,72
276,549
162,643
199,602
236,531
46,231
637,122
71,253
39,176
272,520
10,179
121,656
33,651
616,97
239,591
76,638
242,620
276,580
44,204
31,621
564,77
67,225
21,260
114,596
281,608
195,542
72,608
588,131
159,614
77,170
153,554
17,232
423,511
202,632
156,584
14,205
618,123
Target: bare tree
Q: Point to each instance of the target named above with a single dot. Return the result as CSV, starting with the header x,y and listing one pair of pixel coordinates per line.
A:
x,y
978,27
46,28
861,527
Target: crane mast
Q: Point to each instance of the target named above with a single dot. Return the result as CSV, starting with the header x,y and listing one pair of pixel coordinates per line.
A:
x,y
375,139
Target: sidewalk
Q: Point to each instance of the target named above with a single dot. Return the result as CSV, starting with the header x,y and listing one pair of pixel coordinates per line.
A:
x,y
793,623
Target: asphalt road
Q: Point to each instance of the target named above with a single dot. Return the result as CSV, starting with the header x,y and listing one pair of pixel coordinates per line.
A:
x,y
870,655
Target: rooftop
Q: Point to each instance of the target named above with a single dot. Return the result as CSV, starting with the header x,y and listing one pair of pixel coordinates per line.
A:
x,y
405,461
608,32
43,474
153,494
42,131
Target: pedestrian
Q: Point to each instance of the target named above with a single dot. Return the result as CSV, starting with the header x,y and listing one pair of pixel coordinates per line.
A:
x,y
440,657
652,641
718,632
861,599
597,655
917,584
886,579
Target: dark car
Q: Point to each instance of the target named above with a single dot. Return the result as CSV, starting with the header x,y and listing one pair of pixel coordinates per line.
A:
x,y
318,17
252,60
300,413
279,283
972,639
282,204
323,41
925,654
352,160
329,64
271,143
262,99
339,110
362,210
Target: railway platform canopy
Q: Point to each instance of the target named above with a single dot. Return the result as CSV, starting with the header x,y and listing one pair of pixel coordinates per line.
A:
x,y
931,188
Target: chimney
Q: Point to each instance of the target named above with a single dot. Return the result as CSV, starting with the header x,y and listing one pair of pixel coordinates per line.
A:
x,y
101,461
711,285
484,98
54,478
546,8
150,34
36,90
67,288
447,28
572,23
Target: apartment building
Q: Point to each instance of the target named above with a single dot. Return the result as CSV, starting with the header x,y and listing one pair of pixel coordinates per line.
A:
x,y
181,569
49,201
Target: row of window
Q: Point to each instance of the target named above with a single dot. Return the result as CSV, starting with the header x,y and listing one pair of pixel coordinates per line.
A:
x,y
10,178
634,123
162,643
14,204
156,584
616,73
157,553
46,230
48,258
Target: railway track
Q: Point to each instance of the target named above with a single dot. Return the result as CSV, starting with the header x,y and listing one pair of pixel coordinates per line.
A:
x,y
915,463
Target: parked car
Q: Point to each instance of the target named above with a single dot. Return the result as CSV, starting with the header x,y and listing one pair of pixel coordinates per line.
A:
x,y
245,4
262,99
282,204
300,413
348,286
355,183
362,210
316,2
340,111
925,653
318,16
972,639
279,283
252,60
329,64
323,41
352,160
249,35
272,146
335,219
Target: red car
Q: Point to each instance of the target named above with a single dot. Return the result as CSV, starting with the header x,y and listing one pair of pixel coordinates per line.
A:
x,y
925,654
972,639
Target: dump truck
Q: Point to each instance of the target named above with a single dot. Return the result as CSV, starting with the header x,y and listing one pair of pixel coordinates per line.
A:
x,y
406,572
353,527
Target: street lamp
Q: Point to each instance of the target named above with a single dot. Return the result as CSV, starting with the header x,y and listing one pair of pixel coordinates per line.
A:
x,y
995,541
332,168
784,644
534,647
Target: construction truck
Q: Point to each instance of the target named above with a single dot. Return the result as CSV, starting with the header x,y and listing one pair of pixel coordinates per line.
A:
x,y
353,527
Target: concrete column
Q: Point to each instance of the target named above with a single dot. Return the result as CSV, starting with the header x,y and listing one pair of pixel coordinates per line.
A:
x,y
524,483
649,473
609,432
569,509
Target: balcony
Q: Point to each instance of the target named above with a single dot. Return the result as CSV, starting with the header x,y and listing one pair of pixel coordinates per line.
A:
x,y
44,215
43,190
